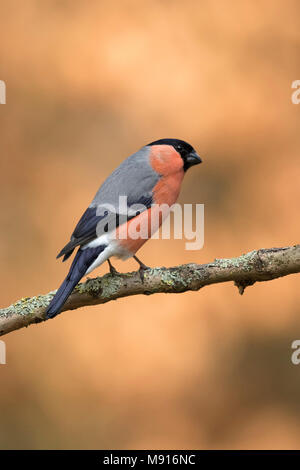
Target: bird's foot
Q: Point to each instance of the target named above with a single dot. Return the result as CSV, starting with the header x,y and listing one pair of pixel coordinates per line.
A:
x,y
142,269
112,269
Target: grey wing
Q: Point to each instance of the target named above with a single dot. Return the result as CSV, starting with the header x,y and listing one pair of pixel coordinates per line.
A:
x,y
133,179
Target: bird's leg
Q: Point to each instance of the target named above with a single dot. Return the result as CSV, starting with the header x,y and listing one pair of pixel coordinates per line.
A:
x,y
112,270
142,269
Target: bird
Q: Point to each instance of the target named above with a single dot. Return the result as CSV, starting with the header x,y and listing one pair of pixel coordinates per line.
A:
x,y
146,180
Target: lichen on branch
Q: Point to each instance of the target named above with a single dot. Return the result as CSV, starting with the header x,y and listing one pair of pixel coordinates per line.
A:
x,y
245,270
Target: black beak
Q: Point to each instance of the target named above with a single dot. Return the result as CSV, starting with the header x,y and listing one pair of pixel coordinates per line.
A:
x,y
192,159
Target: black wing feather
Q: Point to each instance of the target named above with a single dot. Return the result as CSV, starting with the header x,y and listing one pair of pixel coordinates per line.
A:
x,y
86,229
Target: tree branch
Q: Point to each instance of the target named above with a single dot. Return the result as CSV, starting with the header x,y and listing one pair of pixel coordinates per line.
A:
x,y
255,266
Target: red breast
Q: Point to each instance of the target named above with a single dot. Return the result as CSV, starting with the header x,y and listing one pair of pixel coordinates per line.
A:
x,y
169,165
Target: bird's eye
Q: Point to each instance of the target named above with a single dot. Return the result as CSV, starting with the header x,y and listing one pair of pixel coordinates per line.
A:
x,y
179,147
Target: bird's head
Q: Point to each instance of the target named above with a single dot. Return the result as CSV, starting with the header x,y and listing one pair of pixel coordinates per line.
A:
x,y
185,150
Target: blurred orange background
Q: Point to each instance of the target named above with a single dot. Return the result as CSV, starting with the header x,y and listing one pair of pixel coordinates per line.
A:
x,y
87,85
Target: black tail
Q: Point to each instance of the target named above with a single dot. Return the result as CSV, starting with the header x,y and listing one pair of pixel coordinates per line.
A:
x,y
81,263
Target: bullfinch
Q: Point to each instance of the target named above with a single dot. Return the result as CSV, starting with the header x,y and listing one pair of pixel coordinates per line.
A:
x,y
146,181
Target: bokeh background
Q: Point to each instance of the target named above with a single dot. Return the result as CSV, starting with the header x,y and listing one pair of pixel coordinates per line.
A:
x,y
87,85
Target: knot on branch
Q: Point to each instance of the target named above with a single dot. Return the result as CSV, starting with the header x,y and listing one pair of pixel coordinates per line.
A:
x,y
242,284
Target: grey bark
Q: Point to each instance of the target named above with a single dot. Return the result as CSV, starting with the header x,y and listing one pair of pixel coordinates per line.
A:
x,y
245,270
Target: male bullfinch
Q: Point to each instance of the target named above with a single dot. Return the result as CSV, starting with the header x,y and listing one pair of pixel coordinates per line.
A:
x,y
146,180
